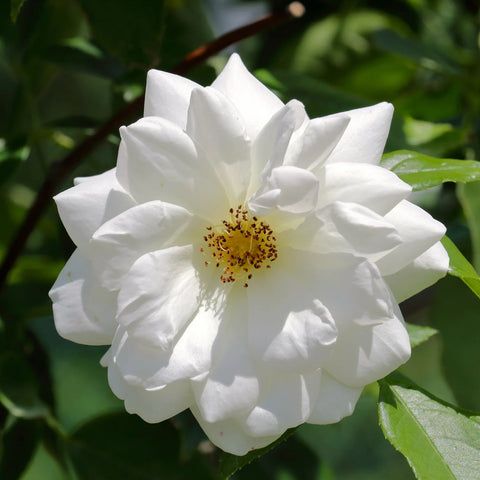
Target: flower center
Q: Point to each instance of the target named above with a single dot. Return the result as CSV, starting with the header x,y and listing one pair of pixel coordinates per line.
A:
x,y
239,246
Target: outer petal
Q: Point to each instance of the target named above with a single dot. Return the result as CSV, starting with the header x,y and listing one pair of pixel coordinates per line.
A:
x,y
144,228
160,294
290,190
365,353
418,231
424,271
231,387
84,207
168,96
229,436
373,187
159,161
334,401
285,404
255,102
83,311
314,144
366,134
151,405
214,124
344,227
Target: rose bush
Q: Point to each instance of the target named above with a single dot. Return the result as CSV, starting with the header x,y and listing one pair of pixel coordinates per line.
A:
x,y
244,261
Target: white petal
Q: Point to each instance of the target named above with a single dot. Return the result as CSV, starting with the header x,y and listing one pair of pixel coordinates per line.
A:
x,y
84,207
144,228
290,190
418,232
285,404
289,326
366,134
373,187
350,287
270,146
151,405
229,436
214,124
159,161
365,353
255,102
344,227
424,271
168,96
312,147
231,387
83,311
150,367
160,294
335,400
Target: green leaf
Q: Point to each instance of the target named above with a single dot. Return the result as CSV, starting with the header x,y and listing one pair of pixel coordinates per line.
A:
x,y
15,7
10,160
461,267
469,196
18,389
439,441
17,446
80,55
392,42
419,334
132,31
122,446
422,171
455,313
229,464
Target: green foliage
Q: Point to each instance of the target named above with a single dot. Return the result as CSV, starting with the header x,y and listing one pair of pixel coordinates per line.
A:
x,y
421,171
438,440
13,459
469,196
461,267
458,323
18,392
229,464
123,446
419,334
15,7
67,66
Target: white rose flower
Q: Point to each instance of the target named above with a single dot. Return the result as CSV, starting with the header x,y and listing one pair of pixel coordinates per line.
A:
x,y
244,261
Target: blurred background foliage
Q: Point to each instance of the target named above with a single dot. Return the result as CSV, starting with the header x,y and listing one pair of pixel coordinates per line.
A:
x,y
67,65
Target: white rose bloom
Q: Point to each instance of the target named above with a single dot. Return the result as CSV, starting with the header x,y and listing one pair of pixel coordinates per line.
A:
x,y
244,261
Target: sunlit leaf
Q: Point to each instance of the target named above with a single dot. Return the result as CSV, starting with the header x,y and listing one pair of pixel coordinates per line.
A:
x,y
419,334
439,441
461,267
422,171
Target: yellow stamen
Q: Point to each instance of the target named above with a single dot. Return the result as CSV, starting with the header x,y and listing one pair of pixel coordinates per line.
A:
x,y
239,245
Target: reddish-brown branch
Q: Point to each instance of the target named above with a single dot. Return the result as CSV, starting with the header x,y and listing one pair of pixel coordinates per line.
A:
x,y
60,170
